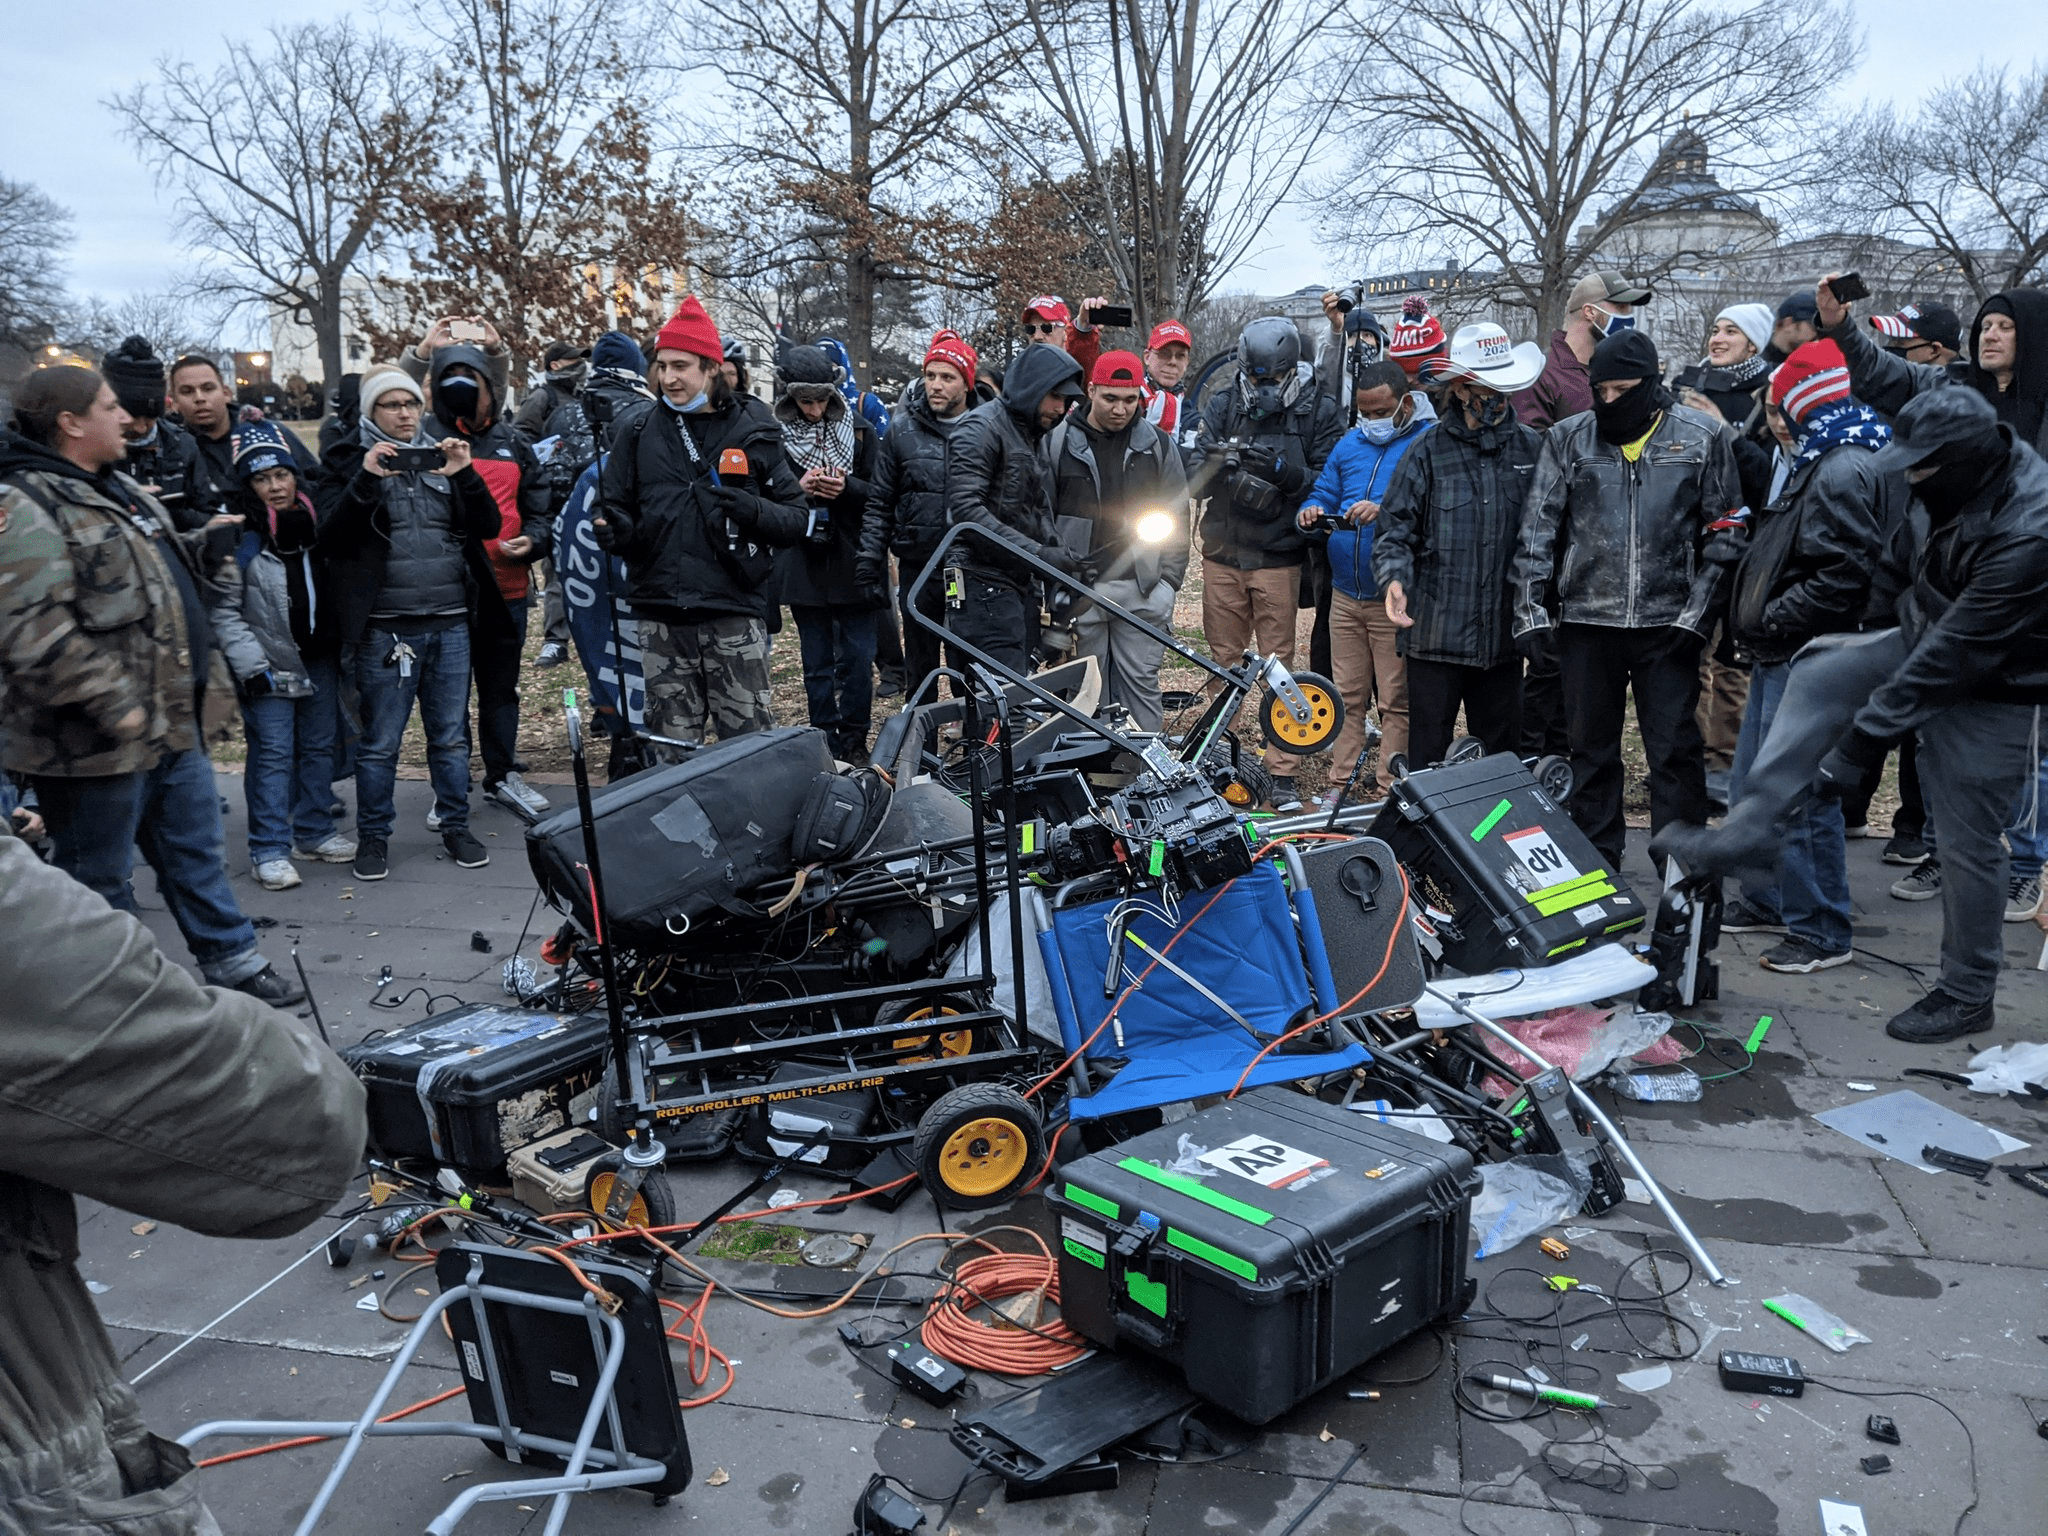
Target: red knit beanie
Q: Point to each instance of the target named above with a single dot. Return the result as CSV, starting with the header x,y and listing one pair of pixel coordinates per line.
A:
x,y
1417,335
1815,375
690,330
1118,368
950,348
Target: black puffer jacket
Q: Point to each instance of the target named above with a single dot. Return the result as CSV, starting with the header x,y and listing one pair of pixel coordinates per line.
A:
x,y
1607,541
1807,568
906,515
1447,531
997,473
1248,516
1742,407
355,542
681,565
1966,594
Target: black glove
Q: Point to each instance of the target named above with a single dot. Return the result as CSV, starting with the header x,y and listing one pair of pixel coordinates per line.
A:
x,y
873,582
606,533
1847,761
1725,547
261,686
740,507
1538,646
1064,560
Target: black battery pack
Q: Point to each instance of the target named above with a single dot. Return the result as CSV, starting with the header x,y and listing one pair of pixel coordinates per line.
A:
x,y
1265,1246
1776,1375
1499,868
468,1086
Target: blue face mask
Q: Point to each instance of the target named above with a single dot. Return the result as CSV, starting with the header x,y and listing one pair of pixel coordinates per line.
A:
x,y
1616,324
695,403
1383,430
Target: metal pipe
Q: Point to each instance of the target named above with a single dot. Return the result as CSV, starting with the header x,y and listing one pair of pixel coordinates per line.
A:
x,y
1607,1127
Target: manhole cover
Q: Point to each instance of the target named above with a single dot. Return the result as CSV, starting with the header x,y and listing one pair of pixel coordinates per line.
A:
x,y
831,1250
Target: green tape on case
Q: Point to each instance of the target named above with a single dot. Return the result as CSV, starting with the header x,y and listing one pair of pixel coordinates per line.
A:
x,y
1088,1200
1492,819
1149,1294
1194,1189
1244,1268
1083,1252
1156,865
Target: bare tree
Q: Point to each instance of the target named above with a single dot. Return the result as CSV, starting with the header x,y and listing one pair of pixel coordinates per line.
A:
x,y
856,112
1178,126
551,212
1965,177
34,230
292,162
1527,136
168,321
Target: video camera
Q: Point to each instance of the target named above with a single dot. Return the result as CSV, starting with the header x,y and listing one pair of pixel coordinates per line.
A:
x,y
1167,826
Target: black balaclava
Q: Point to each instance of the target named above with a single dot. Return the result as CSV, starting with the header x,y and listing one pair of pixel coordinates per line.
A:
x,y
2022,405
1963,470
1626,355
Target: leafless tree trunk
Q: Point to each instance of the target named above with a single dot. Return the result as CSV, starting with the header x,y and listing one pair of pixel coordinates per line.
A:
x,y
1965,176
855,112
291,161
1523,136
1184,120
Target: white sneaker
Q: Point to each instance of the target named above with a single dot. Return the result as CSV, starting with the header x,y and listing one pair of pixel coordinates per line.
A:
x,y
277,874
515,792
335,848
2022,898
434,820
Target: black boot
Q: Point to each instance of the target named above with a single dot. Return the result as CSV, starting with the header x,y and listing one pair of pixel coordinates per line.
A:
x,y
1937,1017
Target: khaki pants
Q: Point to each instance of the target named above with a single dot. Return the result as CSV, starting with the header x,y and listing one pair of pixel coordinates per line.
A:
x,y
1256,609
1724,693
1366,665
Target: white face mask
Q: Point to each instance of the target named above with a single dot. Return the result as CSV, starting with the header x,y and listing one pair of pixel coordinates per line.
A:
x,y
1381,430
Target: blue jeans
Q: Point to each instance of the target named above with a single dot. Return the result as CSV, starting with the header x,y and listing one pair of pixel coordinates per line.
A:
x,y
289,782
172,812
439,678
839,671
1811,893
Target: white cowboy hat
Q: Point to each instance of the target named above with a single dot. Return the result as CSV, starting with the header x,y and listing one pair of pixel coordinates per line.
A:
x,y
1483,353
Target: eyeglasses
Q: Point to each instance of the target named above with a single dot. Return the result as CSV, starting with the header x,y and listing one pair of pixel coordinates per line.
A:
x,y
1040,327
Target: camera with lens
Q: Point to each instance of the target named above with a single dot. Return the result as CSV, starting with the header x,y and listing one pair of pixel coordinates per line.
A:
x,y
1350,298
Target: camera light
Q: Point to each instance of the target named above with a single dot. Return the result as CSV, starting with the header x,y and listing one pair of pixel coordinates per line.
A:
x,y
1154,527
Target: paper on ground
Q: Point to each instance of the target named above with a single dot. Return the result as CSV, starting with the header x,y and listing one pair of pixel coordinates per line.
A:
x,y
1900,1124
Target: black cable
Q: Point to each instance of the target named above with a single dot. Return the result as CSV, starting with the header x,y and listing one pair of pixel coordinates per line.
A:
x,y
1443,1353
1315,1503
1968,1439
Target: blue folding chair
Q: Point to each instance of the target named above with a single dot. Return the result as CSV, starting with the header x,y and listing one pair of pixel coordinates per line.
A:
x,y
1196,994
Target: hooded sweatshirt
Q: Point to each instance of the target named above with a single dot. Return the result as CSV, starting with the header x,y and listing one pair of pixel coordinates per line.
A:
x,y
2024,405
469,410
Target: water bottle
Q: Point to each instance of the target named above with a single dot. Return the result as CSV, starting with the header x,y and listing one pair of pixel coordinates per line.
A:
x,y
1680,1086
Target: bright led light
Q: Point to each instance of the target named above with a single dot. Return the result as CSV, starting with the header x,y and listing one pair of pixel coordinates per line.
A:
x,y
1154,527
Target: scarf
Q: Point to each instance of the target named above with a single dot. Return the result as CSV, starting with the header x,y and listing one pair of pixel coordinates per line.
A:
x,y
1843,424
819,444
1743,375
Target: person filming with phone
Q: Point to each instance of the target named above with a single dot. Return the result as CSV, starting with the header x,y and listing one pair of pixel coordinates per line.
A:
x,y
403,520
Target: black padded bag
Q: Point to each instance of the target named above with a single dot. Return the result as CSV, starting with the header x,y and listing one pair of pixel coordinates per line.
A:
x,y
840,817
681,841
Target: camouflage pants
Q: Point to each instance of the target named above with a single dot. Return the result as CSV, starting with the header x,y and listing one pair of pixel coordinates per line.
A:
x,y
705,677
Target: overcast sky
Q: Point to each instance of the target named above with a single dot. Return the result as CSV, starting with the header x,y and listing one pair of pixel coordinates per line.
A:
x,y
53,132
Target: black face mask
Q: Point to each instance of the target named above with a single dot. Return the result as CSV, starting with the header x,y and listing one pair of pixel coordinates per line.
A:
x,y
1263,401
457,398
1624,420
1952,487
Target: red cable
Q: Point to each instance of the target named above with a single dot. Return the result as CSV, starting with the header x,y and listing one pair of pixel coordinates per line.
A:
x,y
286,1445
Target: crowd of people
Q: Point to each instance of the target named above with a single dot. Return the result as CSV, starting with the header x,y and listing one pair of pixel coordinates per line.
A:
x,y
1482,536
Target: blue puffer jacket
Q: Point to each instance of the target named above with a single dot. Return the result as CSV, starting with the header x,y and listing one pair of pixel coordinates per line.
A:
x,y
1358,471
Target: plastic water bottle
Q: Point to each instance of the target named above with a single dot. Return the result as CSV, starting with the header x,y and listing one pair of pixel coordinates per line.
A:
x,y
1681,1086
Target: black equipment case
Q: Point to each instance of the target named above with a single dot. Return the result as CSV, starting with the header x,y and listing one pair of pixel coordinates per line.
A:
x,y
1317,1239
681,841
470,1086
1500,869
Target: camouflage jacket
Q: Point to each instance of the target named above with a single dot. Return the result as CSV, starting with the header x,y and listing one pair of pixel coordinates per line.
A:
x,y
91,625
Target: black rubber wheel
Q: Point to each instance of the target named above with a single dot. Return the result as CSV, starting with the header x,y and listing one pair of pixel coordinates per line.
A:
x,y
1397,766
1303,737
1555,776
653,1206
978,1145
1466,749
1238,776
